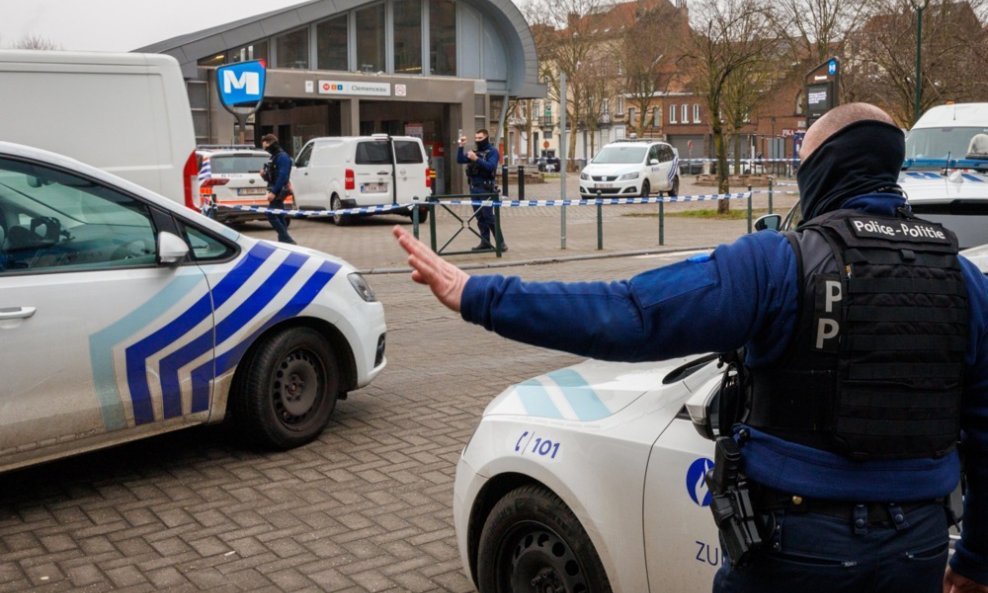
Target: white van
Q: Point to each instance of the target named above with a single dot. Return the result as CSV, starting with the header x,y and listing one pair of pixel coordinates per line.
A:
x,y
334,173
947,131
125,113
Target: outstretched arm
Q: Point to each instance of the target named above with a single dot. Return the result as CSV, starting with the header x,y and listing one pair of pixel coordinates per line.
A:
x,y
446,280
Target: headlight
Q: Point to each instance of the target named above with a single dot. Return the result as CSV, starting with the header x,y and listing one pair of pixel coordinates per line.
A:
x,y
584,176
360,285
629,176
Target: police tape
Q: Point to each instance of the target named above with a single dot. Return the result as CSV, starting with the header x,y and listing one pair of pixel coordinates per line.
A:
x,y
485,203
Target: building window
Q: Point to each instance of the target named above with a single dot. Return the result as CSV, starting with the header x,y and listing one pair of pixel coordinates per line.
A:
x,y
686,113
672,114
657,117
696,113
331,44
442,37
370,42
247,53
293,50
408,36
631,116
605,107
620,106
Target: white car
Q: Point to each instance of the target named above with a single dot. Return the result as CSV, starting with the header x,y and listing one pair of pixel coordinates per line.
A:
x,y
591,477
123,314
231,176
628,168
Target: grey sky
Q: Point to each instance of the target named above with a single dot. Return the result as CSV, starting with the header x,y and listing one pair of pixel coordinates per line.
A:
x,y
119,25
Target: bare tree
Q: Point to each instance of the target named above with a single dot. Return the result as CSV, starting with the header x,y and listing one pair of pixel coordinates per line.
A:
x,y
817,29
729,38
36,42
649,50
744,89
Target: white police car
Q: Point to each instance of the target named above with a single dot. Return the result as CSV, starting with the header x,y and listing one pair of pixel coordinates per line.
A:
x,y
590,478
628,168
123,314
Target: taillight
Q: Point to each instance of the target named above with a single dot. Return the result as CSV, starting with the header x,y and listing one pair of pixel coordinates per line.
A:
x,y
190,172
214,181
349,180
429,176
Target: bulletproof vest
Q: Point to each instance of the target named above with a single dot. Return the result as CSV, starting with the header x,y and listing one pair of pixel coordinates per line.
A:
x,y
875,368
476,171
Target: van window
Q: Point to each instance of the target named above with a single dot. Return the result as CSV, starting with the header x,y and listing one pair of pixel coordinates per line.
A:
x,y
373,153
304,156
407,152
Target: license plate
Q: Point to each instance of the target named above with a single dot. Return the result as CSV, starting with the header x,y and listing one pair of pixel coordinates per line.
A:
x,y
251,191
604,185
373,188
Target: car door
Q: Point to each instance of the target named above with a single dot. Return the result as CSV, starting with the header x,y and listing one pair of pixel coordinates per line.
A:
x,y
653,169
86,313
373,166
410,171
303,180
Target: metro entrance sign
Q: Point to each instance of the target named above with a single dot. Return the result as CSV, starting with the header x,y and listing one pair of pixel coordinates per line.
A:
x,y
241,89
822,88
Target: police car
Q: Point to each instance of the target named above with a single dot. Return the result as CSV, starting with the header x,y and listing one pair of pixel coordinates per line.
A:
x,y
231,176
124,315
628,168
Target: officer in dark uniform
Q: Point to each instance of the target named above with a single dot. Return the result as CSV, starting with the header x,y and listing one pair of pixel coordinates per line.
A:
x,y
481,171
866,344
277,172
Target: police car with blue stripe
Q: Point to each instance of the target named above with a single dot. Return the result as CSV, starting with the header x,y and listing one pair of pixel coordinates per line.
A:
x,y
124,314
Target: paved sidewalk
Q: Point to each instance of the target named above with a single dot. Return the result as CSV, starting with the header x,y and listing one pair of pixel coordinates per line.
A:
x,y
534,234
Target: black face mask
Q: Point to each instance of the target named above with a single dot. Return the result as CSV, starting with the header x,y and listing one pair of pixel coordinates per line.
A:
x,y
272,148
864,157
484,144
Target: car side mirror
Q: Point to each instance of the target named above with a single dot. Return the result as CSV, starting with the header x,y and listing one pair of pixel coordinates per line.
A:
x,y
704,408
769,221
653,162
171,248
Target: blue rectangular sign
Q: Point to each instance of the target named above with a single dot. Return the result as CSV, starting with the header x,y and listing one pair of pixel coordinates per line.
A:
x,y
241,84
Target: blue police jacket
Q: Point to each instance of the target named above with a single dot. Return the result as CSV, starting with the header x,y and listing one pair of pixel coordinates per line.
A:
x,y
488,163
746,294
283,166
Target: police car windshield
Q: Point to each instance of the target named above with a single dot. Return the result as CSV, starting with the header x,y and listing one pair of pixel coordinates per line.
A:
x,y
237,163
940,143
620,155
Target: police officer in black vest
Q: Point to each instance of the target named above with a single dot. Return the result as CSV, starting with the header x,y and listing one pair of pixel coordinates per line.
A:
x,y
277,172
481,172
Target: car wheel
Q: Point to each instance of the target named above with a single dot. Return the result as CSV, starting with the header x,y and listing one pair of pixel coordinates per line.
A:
x,y
423,215
646,188
288,389
674,190
337,204
532,542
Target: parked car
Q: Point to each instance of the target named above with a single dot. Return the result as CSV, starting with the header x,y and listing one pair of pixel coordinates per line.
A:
x,y
124,315
631,168
335,173
945,132
231,176
126,113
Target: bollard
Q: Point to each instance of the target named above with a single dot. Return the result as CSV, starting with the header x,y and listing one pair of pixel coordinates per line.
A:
x,y
662,222
415,220
600,224
432,221
504,180
770,195
749,209
521,182
498,237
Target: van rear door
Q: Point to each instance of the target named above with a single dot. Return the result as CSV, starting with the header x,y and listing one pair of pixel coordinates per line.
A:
x,y
373,166
410,171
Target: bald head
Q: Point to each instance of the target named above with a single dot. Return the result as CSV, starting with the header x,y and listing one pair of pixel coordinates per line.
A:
x,y
837,119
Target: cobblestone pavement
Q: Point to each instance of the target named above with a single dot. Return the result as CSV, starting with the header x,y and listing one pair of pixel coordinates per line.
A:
x,y
366,507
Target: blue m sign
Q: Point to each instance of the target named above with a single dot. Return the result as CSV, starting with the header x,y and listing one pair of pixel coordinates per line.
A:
x,y
241,84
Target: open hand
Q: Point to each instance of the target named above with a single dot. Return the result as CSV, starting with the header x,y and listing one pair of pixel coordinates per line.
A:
x,y
955,583
444,279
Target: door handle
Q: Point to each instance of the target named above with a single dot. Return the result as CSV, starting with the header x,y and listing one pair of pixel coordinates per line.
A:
x,y
17,312
384,172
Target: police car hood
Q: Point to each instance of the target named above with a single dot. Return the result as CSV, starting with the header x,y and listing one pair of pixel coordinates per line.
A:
x,y
611,169
595,391
929,186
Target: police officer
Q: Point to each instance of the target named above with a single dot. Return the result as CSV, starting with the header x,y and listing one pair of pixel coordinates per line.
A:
x,y
481,171
276,173
866,340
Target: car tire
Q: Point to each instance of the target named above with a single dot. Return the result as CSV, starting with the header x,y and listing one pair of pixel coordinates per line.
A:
x,y
674,190
423,215
335,203
288,389
532,542
646,188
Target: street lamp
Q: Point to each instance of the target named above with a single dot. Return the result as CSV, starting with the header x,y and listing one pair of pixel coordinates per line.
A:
x,y
919,8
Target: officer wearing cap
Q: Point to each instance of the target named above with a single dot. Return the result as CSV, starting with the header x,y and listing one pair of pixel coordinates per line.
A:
x,y
866,343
